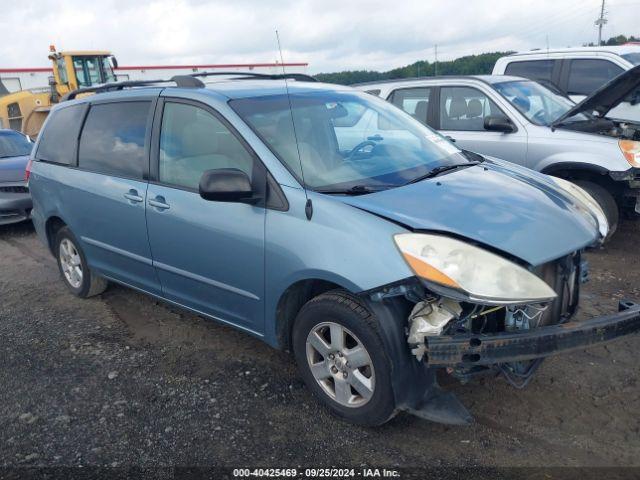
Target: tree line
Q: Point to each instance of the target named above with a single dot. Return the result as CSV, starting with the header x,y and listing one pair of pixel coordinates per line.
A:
x,y
468,65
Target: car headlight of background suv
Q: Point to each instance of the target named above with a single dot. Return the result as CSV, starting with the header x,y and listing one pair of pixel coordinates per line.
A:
x,y
474,274
583,196
631,151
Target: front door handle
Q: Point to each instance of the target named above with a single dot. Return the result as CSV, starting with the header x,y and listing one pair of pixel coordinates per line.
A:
x,y
451,139
132,196
159,202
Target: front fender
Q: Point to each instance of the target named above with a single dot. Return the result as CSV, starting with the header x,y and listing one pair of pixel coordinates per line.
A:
x,y
340,244
597,163
557,167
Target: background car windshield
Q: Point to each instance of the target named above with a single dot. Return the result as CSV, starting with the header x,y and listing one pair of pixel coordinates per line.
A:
x,y
346,139
13,144
539,104
632,57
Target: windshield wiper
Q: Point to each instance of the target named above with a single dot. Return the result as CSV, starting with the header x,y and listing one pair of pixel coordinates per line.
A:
x,y
356,190
439,170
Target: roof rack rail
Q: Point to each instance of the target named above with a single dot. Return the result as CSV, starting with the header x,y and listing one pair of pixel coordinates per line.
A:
x,y
184,81
301,77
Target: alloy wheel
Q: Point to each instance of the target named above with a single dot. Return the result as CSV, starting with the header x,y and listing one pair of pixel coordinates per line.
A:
x,y
71,263
340,364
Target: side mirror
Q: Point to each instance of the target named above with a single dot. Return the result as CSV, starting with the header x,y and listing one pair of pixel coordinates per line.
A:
x,y
226,185
114,61
495,123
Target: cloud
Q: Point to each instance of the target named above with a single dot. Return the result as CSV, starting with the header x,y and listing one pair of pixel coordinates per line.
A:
x,y
329,34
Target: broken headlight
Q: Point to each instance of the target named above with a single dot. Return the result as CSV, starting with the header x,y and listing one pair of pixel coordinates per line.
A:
x,y
459,270
586,199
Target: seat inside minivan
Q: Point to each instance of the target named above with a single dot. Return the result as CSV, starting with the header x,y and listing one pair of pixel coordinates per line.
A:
x,y
193,141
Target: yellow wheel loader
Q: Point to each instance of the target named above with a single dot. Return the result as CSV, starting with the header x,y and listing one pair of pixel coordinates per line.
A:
x,y
27,110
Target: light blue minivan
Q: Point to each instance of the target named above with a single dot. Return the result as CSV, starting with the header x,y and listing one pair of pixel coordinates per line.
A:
x,y
376,251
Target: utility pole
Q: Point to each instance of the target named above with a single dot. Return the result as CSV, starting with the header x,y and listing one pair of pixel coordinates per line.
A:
x,y
600,22
436,63
547,44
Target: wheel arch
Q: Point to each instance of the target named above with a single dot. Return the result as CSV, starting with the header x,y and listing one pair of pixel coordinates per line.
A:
x,y
583,171
293,298
574,168
52,225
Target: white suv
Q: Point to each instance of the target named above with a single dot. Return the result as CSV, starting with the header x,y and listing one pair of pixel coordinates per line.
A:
x,y
576,72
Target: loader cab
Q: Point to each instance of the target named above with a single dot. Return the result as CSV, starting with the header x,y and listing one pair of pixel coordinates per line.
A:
x,y
73,70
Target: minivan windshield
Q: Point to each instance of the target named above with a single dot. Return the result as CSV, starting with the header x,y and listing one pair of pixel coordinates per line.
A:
x,y
539,104
14,144
347,141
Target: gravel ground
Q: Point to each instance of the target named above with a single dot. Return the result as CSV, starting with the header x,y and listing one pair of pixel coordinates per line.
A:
x,y
124,380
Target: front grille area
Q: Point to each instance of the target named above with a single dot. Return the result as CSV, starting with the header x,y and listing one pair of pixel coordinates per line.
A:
x,y
14,189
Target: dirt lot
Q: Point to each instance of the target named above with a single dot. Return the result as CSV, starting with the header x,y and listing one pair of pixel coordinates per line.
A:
x,y
122,379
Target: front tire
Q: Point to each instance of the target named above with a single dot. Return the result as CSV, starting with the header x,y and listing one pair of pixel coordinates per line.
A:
x,y
72,263
342,358
606,202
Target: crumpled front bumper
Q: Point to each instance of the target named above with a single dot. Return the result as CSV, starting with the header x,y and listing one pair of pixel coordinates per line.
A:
x,y
469,349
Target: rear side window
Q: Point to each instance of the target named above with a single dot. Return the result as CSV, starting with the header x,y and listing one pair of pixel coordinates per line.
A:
x,y
414,101
533,69
587,75
464,109
113,139
60,137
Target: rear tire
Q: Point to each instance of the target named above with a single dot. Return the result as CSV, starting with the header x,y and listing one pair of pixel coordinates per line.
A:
x,y
606,202
342,358
72,263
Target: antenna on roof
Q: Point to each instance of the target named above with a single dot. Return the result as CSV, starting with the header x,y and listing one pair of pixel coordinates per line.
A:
x,y
308,208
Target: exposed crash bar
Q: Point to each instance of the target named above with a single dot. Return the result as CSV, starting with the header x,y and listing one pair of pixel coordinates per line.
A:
x,y
540,342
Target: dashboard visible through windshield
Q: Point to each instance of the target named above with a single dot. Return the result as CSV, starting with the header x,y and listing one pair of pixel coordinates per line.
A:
x,y
340,142
537,103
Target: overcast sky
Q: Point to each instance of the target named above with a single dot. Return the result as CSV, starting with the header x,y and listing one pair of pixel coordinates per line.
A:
x,y
331,35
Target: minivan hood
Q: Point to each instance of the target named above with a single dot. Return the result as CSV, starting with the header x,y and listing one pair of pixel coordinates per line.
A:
x,y
509,209
607,97
12,168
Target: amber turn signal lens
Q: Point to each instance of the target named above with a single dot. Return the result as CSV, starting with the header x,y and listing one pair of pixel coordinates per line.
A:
x,y
426,271
631,151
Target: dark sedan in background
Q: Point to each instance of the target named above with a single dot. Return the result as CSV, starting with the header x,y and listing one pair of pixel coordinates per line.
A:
x,y
15,201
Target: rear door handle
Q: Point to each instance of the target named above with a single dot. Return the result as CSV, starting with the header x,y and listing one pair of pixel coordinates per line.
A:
x,y
159,202
132,196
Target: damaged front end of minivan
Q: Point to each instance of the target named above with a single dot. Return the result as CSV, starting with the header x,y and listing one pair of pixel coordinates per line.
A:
x,y
472,312
467,338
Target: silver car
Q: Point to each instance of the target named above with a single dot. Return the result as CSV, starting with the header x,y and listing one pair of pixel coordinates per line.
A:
x,y
522,121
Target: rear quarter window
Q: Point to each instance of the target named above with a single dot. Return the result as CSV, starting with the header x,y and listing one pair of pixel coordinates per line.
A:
x,y
587,75
60,136
533,69
113,139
